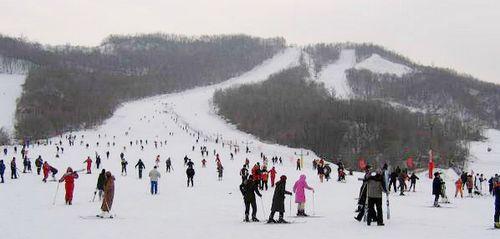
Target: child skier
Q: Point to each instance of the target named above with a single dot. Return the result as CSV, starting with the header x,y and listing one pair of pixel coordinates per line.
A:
x,y
300,196
69,179
279,201
458,188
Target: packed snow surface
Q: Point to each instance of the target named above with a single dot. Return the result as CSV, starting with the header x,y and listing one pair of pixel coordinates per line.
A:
x,y
212,208
10,90
380,65
334,76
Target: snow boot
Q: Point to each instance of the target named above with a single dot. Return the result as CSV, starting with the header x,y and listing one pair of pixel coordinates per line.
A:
x,y
281,220
497,225
254,219
246,218
271,220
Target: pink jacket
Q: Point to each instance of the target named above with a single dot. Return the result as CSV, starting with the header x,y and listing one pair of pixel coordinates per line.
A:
x,y
298,189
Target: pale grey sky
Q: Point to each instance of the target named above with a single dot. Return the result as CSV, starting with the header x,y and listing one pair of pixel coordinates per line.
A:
x,y
462,34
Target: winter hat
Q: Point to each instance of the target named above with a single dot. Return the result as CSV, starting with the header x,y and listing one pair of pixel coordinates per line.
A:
x,y
283,178
437,173
69,170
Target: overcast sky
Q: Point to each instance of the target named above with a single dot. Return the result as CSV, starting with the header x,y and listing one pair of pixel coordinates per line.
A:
x,y
461,34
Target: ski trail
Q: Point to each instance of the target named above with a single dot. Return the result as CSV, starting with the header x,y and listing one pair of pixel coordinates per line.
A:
x,y
334,77
10,90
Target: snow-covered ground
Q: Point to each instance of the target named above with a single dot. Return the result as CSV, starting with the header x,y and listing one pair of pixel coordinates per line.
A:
x,y
380,65
10,90
334,77
212,209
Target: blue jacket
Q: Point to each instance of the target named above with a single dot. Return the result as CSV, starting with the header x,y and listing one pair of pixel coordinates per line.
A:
x,y
2,168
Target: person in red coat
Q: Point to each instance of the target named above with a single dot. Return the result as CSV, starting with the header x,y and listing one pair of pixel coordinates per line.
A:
x,y
46,169
69,179
89,165
272,173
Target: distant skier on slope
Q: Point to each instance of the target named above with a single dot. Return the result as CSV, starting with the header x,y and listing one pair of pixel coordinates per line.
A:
x,y
69,185
88,161
249,188
168,164
124,164
13,169
190,176
140,166
278,204
413,181
300,196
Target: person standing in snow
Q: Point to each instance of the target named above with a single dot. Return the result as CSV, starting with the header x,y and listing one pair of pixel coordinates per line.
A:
x,y
436,188
249,188
458,188
321,171
298,165
413,181
300,196
220,171
327,171
496,193
124,166
109,194
272,173
278,204
374,187
140,166
168,164
101,180
244,173
38,164
69,184
190,175
88,161
13,169
2,170
97,160
470,184
154,175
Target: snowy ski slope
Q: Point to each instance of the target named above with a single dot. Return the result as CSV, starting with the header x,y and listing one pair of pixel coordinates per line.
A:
x,y
378,64
10,90
212,209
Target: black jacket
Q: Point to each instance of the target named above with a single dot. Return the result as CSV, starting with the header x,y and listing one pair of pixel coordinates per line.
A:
x,y
279,197
436,186
249,189
140,165
190,172
100,181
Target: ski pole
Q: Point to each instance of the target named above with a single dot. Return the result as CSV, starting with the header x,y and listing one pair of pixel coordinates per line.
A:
x,y
263,208
55,195
93,198
314,211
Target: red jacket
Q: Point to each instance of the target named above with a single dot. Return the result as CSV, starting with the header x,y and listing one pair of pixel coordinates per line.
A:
x,y
69,178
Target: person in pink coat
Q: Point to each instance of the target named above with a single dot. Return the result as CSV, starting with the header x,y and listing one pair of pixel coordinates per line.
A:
x,y
300,196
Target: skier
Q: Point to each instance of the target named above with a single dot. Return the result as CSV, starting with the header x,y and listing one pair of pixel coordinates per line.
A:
x,y
190,175
300,196
321,171
264,176
374,187
279,201
97,160
2,170
220,171
69,179
107,153
168,164
88,161
204,163
140,166
157,160
154,175
413,181
249,189
13,168
436,188
470,184
458,188
109,193
272,173
496,190
244,173
38,164
101,180
298,164
392,180
327,170
124,166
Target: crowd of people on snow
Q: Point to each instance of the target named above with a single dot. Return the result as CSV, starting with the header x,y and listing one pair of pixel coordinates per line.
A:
x,y
261,176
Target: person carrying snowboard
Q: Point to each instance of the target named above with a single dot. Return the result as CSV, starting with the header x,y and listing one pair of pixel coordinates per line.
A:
x,y
140,166
69,184
154,175
300,196
249,188
88,161
278,204
109,194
